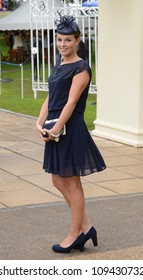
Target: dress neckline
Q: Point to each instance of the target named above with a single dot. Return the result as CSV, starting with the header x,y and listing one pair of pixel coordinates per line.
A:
x,y
62,64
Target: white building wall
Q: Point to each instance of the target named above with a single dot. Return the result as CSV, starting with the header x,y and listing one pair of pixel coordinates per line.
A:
x,y
120,72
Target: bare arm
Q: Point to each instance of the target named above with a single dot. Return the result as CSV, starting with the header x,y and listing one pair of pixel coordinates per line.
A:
x,y
42,116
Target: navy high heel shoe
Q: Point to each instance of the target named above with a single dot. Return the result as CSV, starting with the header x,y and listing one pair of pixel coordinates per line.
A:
x,y
92,234
78,242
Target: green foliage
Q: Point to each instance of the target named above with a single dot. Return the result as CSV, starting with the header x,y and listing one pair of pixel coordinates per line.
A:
x,y
11,4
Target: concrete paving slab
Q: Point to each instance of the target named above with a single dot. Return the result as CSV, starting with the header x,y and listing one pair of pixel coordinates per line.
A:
x,y
29,232
138,156
108,175
13,183
5,137
124,186
42,179
107,144
122,161
54,191
11,117
27,197
107,153
26,146
2,205
26,149
124,150
3,173
19,165
93,190
136,170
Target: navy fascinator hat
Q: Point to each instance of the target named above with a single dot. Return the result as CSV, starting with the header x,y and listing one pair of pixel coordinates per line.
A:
x,y
66,25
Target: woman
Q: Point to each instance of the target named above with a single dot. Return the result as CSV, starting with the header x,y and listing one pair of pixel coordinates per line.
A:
x,y
75,154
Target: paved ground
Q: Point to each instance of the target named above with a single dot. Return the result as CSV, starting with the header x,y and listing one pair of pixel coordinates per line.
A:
x,y
33,213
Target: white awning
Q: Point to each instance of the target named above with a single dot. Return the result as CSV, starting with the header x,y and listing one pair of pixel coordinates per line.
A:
x,y
20,18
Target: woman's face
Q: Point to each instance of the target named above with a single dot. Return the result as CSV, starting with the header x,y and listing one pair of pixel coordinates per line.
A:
x,y
67,44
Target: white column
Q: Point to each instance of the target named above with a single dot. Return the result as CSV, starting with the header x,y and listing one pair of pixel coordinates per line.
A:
x,y
120,72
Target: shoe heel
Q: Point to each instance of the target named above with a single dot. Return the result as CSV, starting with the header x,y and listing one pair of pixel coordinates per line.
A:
x,y
81,247
94,240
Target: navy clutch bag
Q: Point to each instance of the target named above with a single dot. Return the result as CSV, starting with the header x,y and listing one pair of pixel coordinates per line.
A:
x,y
49,125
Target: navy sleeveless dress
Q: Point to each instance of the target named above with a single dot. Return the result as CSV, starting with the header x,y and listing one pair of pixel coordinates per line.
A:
x,y
75,154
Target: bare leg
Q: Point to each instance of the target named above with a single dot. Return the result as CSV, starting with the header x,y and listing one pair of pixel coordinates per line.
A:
x,y
71,188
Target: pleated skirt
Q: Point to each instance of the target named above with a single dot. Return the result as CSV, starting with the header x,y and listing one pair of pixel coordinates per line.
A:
x,y
76,154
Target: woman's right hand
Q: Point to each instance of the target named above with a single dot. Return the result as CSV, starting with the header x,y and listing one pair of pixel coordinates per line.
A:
x,y
42,132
